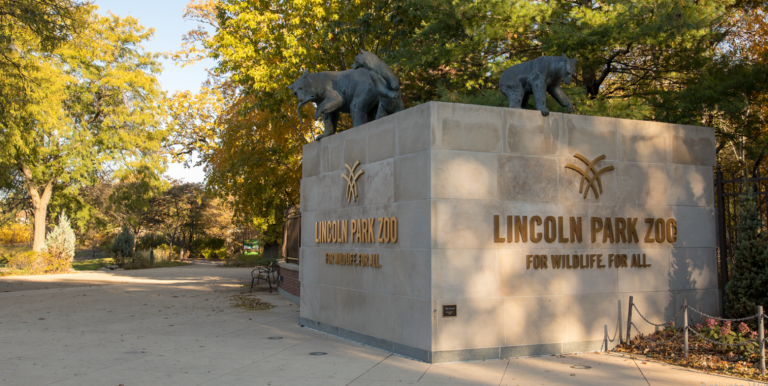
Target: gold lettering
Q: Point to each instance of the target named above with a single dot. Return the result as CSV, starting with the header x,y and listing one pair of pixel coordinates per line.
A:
x,y
556,261
550,229
610,260
381,228
510,228
597,226
600,261
634,260
353,229
393,229
660,230
496,238
648,234
671,231
544,262
370,228
385,226
621,230
576,229
632,230
324,232
608,230
521,229
365,230
359,237
317,240
560,236
344,234
528,261
535,236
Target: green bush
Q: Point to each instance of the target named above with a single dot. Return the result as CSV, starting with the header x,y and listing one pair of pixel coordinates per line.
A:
x,y
211,247
749,272
122,248
243,260
150,240
60,243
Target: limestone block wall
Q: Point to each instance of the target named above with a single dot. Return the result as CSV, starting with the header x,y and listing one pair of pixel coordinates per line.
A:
x,y
445,170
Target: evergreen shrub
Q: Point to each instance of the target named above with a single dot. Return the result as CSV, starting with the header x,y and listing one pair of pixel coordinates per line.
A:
x,y
122,247
60,244
748,281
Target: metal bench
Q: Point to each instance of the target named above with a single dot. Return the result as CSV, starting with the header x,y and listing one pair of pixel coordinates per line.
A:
x,y
265,273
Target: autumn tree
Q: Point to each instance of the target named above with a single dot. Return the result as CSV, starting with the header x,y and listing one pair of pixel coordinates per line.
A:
x,y
95,106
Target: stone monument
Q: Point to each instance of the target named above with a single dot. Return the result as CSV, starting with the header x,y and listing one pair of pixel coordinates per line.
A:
x,y
450,232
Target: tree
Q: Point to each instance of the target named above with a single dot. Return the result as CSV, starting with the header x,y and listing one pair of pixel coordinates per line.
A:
x,y
749,270
45,23
96,106
134,201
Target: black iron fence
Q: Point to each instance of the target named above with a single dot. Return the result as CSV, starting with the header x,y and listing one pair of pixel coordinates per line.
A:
x,y
729,189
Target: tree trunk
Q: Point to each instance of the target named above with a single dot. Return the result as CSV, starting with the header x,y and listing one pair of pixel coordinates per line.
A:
x,y
39,205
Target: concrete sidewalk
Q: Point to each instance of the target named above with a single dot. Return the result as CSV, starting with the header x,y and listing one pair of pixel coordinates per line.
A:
x,y
175,326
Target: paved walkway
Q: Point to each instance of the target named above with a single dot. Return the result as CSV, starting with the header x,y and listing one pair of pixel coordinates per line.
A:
x,y
175,326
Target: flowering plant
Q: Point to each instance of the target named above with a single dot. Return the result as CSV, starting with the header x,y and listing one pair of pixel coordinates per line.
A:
x,y
724,334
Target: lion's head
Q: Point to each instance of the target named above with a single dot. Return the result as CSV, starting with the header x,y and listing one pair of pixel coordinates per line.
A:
x,y
304,91
567,69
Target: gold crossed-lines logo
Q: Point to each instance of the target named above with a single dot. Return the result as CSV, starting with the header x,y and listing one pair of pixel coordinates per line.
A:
x,y
585,177
352,180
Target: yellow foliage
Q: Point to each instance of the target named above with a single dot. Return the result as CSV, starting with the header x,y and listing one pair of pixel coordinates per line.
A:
x,y
15,233
35,263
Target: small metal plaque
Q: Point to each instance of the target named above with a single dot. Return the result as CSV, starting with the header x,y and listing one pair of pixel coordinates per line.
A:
x,y
449,310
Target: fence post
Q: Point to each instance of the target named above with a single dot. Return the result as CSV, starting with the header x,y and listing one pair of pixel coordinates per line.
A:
x,y
721,237
629,319
621,333
685,325
761,336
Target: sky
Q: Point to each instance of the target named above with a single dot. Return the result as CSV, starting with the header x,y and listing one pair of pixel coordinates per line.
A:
x,y
166,17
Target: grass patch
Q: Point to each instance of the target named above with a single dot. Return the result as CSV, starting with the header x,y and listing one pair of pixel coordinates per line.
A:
x,y
92,265
90,254
251,303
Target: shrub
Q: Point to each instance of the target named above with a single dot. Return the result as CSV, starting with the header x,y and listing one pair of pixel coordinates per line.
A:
x,y
60,243
211,247
243,260
35,263
749,271
122,247
725,334
150,240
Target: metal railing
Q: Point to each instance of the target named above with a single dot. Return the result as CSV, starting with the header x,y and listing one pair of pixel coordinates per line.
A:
x,y
760,316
